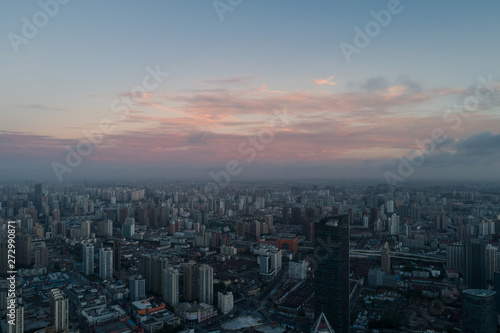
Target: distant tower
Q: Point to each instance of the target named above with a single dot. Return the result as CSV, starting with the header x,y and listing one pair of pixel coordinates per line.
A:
x,y
206,284
190,291
171,288
106,263
59,310
88,259
479,311
331,279
385,256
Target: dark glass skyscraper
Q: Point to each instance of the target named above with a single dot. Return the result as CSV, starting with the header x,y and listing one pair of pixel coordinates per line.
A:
x,y
479,311
475,264
331,278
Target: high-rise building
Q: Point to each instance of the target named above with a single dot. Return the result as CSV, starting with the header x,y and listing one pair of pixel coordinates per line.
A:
x,y
296,215
18,321
455,255
106,263
128,228
38,196
491,261
59,310
117,258
496,284
23,243
41,257
286,216
190,288
105,228
385,257
206,284
331,279
151,267
479,312
137,287
225,302
475,264
88,259
171,286
85,229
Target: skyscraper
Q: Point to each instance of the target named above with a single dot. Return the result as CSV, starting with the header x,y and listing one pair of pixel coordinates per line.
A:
x,y
190,288
331,279
171,286
479,311
206,284
475,264
385,256
88,259
106,263
59,310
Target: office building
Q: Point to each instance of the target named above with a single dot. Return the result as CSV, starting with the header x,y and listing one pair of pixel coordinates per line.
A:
x,y
190,288
475,264
88,259
479,312
106,263
206,284
59,310
171,286
331,278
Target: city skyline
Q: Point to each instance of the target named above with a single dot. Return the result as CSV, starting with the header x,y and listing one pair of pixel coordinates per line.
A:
x,y
179,90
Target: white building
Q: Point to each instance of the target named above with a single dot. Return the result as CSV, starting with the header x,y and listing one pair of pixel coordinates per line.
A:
x,y
105,263
88,259
171,286
59,310
225,302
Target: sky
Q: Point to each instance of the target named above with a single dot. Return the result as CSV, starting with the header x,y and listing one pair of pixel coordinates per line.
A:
x,y
389,90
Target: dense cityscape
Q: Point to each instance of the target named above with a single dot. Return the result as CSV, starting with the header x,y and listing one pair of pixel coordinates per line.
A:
x,y
265,257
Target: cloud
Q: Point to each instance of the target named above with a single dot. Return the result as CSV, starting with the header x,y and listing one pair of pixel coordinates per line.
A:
x,y
39,107
327,81
231,80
